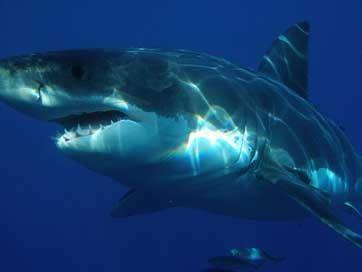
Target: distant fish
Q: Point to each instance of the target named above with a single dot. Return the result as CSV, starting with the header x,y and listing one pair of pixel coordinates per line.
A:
x,y
229,263
254,254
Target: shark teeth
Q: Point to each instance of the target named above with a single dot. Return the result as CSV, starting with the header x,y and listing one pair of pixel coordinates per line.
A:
x,y
80,131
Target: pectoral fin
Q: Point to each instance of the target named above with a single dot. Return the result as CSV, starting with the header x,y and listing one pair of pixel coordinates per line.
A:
x,y
318,204
136,203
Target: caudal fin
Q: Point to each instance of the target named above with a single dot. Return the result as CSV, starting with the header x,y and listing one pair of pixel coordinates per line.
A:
x,y
275,259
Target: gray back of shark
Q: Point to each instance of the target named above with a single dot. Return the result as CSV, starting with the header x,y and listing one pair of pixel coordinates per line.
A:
x,y
188,129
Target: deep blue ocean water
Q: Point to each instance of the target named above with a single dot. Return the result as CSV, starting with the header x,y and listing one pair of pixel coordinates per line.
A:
x,y
54,214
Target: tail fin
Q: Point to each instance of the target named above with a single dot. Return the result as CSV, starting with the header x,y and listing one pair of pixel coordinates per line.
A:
x,y
274,259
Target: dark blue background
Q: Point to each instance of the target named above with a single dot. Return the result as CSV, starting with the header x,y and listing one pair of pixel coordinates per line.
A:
x,y
54,214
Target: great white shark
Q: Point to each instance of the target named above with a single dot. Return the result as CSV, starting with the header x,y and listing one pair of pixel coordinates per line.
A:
x,y
187,129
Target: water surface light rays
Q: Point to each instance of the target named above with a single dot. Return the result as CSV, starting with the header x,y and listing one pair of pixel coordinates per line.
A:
x,y
288,42
208,140
196,88
215,142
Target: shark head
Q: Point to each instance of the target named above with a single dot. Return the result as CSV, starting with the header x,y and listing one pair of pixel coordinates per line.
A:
x,y
125,110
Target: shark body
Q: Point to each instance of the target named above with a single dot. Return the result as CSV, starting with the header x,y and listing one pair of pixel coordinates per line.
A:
x,y
187,129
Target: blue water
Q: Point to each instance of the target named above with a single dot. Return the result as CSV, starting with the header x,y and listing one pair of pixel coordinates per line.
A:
x,y
54,214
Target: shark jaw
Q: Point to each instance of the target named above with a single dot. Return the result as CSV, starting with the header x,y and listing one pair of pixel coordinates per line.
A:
x,y
126,133
77,126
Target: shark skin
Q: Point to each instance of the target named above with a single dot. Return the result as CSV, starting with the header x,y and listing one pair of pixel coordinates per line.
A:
x,y
187,129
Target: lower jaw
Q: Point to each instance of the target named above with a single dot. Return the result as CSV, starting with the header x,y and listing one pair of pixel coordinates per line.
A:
x,y
87,124
117,139
104,163
79,133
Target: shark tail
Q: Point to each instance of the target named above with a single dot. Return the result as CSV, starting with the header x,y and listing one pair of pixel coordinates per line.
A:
x,y
275,259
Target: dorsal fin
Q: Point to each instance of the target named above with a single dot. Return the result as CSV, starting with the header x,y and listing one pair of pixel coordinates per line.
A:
x,y
287,59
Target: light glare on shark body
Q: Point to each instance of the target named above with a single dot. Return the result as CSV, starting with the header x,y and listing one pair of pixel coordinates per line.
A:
x,y
187,129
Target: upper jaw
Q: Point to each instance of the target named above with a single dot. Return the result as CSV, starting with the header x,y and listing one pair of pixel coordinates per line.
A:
x,y
102,117
83,117
86,124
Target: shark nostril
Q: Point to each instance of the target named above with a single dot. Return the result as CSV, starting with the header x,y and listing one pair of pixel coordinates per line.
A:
x,y
39,89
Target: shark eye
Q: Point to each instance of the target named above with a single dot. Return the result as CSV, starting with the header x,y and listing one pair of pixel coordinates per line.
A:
x,y
78,72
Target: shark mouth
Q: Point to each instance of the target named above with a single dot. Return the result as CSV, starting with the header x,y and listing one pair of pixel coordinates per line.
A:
x,y
86,124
